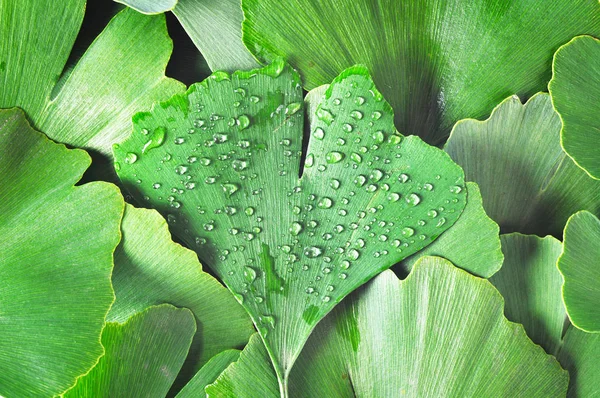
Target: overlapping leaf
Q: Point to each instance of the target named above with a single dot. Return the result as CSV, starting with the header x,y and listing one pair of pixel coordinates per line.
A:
x,y
143,355
208,374
580,268
214,26
527,182
575,89
222,164
530,284
472,243
436,61
151,269
121,72
439,333
57,247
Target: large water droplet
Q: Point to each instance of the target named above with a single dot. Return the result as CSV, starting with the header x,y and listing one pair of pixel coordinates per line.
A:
x,y
156,139
353,254
334,157
407,232
319,133
130,158
239,164
356,157
293,108
310,161
413,199
455,189
325,203
312,252
230,188
325,116
250,274
243,122
295,228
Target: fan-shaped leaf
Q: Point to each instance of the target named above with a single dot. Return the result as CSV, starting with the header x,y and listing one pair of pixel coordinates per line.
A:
x,y
57,247
143,355
439,333
436,61
580,268
222,163
575,89
527,182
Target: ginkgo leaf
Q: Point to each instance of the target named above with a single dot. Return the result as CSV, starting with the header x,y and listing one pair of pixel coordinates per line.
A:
x,y
527,182
151,269
439,333
436,61
120,73
472,243
579,265
575,89
222,163
215,27
57,246
143,355
208,374
530,284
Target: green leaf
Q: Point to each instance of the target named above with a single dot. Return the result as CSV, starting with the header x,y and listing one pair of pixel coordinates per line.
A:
x,y
57,246
222,164
150,6
527,182
215,27
578,265
472,243
575,89
440,332
436,62
121,72
209,372
151,269
579,356
143,355
530,285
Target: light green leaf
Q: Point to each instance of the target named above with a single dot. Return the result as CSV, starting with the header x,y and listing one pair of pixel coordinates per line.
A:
x,y
579,265
472,243
530,285
151,269
209,372
527,182
114,78
215,27
57,246
150,6
436,61
439,333
222,164
579,356
575,89
143,355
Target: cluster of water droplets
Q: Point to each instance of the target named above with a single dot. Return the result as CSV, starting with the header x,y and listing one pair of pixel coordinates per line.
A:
x,y
355,203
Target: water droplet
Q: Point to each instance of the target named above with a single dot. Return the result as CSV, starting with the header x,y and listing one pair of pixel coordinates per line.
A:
x,y
250,274
156,139
356,115
325,116
339,228
179,140
360,180
312,252
403,178
376,175
356,157
239,164
230,188
359,100
407,232
249,211
209,226
181,169
432,213
296,228
428,187
441,222
455,189
310,290
334,157
243,121
325,203
310,161
130,158
293,108
241,91
335,184
319,133
345,264
393,197
378,136
353,254
205,161
254,99
190,185
376,115
347,127
413,199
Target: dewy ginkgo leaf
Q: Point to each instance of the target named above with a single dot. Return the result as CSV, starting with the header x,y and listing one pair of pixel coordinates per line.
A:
x,y
439,333
222,163
55,264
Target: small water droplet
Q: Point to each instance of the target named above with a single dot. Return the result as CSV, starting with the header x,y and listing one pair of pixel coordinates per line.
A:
x,y
296,228
325,116
347,127
230,188
335,184
413,199
441,222
293,107
312,252
239,164
455,189
250,274
407,232
403,178
249,211
319,133
353,254
325,203
181,169
243,121
334,157
356,115
310,161
356,157
359,100
130,158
